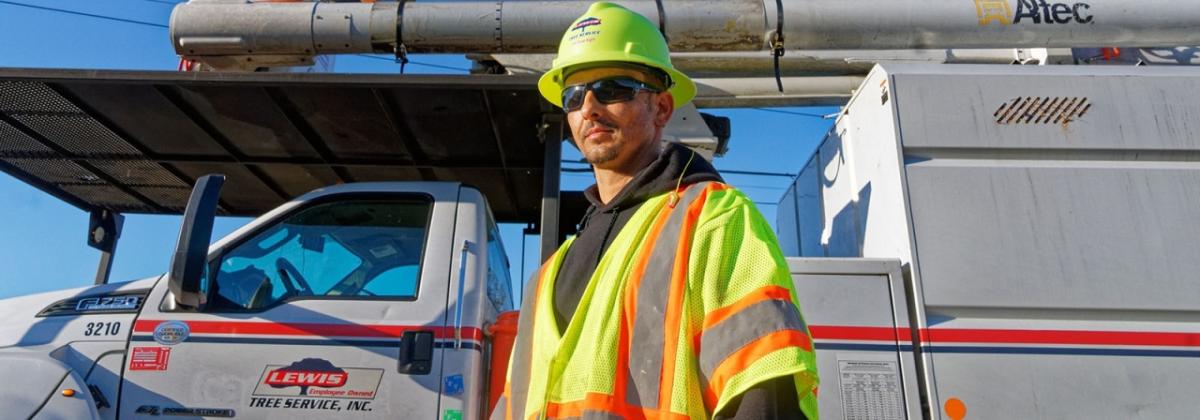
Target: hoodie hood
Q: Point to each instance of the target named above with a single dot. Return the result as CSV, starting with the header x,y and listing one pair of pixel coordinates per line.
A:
x,y
676,162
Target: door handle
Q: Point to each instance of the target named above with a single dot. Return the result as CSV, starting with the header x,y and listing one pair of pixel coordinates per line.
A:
x,y
416,352
462,285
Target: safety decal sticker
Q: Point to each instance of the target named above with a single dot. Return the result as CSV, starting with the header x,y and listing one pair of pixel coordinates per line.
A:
x,y
316,384
149,358
452,415
170,333
453,385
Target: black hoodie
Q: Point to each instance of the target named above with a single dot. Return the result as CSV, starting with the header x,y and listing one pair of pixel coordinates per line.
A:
x,y
774,399
602,221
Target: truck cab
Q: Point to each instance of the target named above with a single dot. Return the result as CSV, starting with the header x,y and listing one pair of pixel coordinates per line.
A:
x,y
367,300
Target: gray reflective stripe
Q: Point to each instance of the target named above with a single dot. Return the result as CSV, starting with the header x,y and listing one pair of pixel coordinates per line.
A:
x,y
594,415
646,342
731,334
501,406
522,353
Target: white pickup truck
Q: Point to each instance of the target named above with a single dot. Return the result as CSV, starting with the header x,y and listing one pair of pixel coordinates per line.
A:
x,y
362,300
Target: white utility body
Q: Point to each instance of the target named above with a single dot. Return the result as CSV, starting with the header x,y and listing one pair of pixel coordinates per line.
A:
x,y
1045,223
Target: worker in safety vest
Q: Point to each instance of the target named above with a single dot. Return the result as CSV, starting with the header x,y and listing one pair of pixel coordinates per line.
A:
x,y
673,301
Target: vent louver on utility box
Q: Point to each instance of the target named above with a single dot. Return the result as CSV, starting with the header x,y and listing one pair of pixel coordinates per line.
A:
x,y
1042,110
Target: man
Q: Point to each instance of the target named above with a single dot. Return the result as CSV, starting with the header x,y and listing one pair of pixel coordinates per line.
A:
x,y
673,301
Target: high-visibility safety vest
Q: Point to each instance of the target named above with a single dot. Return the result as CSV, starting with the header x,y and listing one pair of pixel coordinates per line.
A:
x,y
691,305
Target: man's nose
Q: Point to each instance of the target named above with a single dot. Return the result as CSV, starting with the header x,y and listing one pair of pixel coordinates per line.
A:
x,y
591,106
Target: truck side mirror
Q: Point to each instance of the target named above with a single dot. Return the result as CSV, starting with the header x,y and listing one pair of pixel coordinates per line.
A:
x,y
191,252
104,228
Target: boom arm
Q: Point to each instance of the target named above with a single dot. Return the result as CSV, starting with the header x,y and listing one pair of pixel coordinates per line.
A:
x,y
232,34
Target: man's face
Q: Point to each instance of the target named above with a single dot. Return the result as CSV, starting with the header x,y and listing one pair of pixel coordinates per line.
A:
x,y
618,135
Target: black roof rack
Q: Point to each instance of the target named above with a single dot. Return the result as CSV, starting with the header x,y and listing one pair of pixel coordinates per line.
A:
x,y
135,141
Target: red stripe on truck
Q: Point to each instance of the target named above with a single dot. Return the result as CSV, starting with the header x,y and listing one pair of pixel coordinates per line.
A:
x,y
830,332
1008,336
309,329
1118,338
819,332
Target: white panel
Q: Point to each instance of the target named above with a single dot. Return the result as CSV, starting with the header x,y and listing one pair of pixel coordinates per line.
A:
x,y
1002,234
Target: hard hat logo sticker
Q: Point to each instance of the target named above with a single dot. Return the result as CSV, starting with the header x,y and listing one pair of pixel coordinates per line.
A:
x,y
580,34
586,22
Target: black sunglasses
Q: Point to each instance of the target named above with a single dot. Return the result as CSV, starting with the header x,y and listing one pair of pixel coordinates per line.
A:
x,y
607,91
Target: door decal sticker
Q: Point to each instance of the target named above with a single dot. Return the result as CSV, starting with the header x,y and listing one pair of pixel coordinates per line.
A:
x,y
170,333
316,384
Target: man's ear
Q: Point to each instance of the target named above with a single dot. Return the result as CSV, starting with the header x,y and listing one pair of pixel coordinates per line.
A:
x,y
664,109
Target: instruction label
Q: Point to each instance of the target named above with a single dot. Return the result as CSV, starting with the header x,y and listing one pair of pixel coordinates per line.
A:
x,y
870,390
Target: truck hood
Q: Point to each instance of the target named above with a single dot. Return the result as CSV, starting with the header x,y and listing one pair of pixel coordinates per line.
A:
x,y
20,314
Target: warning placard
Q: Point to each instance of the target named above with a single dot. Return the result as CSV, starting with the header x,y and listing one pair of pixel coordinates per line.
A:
x,y
870,390
149,358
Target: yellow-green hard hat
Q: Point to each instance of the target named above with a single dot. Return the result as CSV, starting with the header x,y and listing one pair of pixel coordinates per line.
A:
x,y
608,32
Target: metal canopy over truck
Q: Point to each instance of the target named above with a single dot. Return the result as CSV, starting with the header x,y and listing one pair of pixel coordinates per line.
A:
x,y
135,141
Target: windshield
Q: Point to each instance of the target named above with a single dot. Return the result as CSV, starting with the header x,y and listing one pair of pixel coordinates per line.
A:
x,y
348,249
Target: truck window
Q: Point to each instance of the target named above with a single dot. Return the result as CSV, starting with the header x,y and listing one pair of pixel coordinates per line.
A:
x,y
499,284
348,249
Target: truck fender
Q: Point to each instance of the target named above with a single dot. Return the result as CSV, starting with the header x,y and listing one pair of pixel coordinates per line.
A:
x,y
41,387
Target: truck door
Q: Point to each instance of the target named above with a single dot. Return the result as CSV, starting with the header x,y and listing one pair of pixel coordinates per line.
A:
x,y
480,291
333,307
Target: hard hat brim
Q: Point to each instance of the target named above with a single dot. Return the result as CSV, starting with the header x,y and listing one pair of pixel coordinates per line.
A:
x,y
551,84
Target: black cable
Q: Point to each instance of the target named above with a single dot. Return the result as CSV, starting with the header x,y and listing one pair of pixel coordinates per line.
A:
x,y
662,20
401,51
756,173
412,62
724,171
72,12
777,48
761,187
802,114
521,280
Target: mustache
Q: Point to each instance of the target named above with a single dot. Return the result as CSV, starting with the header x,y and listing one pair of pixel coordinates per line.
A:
x,y
604,123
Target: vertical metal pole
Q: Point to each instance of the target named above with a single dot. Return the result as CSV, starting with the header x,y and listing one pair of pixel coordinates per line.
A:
x,y
103,235
551,172
106,259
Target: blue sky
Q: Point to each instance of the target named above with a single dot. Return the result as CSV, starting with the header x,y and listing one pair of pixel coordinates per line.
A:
x,y
42,240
